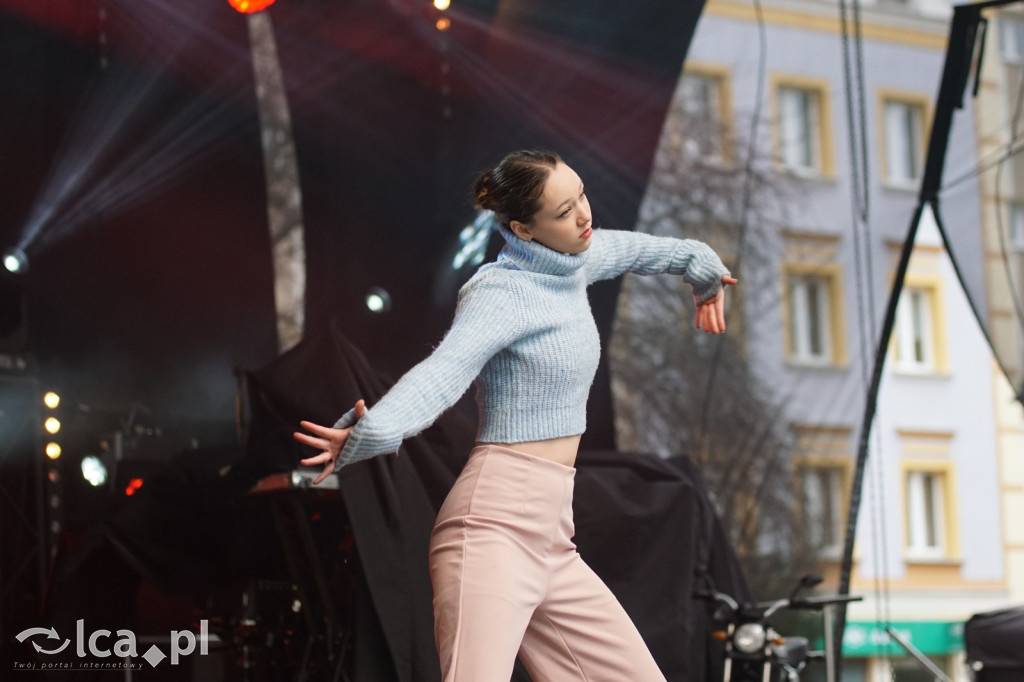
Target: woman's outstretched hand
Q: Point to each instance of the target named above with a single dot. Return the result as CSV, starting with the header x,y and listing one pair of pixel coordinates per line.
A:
x,y
329,440
711,313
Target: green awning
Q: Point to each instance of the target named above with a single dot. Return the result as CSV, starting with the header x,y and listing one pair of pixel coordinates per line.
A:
x,y
868,638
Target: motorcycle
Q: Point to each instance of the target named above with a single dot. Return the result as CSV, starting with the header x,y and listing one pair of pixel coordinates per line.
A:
x,y
753,650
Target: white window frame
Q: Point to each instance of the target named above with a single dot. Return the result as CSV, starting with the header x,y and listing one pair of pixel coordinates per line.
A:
x,y
800,123
915,330
801,306
904,141
1011,38
700,96
823,500
699,119
926,513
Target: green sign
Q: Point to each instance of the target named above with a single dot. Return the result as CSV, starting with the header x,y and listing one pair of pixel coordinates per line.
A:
x,y
867,638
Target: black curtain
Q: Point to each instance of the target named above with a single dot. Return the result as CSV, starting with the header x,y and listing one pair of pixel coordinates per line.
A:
x,y
196,532
992,642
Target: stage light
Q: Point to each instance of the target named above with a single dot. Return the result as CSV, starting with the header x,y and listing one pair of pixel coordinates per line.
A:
x,y
442,4
52,425
250,6
53,450
473,240
94,471
132,486
15,261
51,400
443,24
378,300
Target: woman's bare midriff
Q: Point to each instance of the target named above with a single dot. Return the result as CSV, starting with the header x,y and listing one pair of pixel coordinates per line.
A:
x,y
562,450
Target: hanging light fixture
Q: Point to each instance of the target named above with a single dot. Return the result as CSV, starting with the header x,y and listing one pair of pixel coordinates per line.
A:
x,y
378,300
15,261
250,6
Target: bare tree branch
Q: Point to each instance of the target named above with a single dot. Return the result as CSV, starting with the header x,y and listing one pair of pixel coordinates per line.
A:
x,y
661,365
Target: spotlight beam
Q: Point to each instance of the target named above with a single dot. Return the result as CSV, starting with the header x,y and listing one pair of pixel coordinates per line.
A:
x,y
580,73
85,179
181,144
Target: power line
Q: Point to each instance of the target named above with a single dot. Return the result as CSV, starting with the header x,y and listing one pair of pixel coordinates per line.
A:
x,y
1009,153
857,135
755,120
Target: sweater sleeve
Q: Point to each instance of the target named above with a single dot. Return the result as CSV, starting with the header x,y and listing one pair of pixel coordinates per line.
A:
x,y
485,322
613,252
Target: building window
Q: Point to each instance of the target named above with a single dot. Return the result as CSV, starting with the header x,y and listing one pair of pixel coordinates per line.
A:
x,y
917,347
926,513
1011,38
1017,227
822,465
799,129
802,131
919,343
822,488
810,315
700,116
915,330
904,145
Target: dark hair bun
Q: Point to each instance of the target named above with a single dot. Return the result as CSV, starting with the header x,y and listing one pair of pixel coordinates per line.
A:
x,y
512,189
483,192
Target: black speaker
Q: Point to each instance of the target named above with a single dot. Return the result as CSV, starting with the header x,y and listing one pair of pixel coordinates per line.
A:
x,y
23,561
13,328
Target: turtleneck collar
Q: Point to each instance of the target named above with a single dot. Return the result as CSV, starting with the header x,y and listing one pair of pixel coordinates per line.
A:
x,y
534,257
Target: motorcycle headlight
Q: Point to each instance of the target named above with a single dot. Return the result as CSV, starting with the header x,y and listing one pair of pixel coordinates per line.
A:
x,y
749,638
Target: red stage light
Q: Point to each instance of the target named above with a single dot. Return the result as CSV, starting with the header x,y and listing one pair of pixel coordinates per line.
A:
x,y
133,485
250,6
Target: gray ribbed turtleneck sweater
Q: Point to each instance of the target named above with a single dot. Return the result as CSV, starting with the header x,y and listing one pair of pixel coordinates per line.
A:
x,y
523,328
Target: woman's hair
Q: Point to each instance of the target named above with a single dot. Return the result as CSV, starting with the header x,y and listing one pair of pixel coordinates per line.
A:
x,y
514,187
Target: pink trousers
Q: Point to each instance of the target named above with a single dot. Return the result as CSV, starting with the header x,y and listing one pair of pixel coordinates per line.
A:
x,y
507,580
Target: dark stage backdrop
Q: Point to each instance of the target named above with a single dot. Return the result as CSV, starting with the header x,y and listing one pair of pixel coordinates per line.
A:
x,y
155,291
133,178
396,120
644,524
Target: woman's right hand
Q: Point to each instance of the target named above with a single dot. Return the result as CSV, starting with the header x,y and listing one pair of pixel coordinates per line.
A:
x,y
711,313
329,440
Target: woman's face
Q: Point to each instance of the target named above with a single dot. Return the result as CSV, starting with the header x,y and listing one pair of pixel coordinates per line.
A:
x,y
563,222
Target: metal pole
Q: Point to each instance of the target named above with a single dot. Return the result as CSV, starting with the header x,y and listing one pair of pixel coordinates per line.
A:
x,y
830,655
921,659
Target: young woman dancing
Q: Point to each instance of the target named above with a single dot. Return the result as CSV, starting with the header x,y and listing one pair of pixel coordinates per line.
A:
x,y
506,575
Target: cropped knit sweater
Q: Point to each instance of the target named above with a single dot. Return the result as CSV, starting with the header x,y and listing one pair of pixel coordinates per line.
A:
x,y
524,330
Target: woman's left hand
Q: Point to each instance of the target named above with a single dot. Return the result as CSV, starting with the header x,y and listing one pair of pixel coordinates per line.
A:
x,y
329,440
711,313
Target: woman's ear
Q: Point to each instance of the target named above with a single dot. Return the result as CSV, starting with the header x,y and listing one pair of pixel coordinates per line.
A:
x,y
520,230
